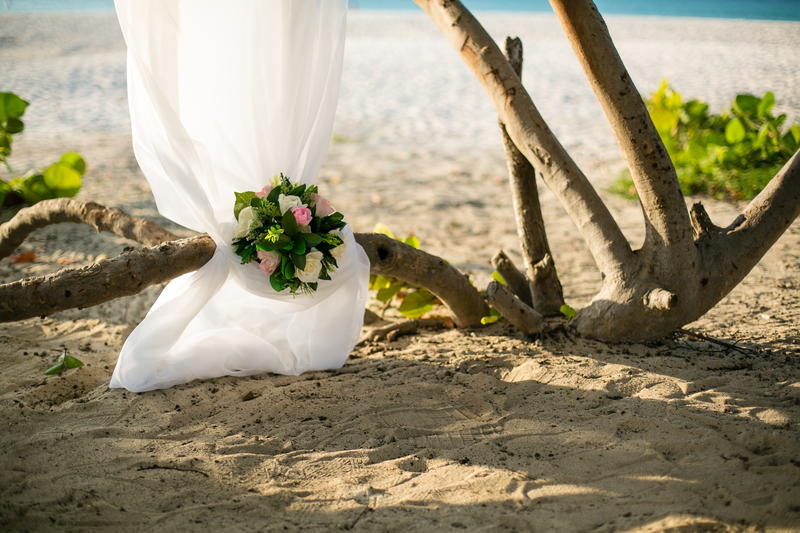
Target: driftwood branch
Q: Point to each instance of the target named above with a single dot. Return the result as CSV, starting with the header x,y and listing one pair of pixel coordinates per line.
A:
x,y
124,275
515,279
102,218
651,168
545,288
135,270
389,257
392,332
532,136
519,314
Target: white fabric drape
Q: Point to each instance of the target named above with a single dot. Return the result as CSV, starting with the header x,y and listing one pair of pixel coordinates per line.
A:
x,y
224,95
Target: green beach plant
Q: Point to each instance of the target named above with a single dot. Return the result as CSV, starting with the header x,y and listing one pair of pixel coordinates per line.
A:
x,y
62,179
730,155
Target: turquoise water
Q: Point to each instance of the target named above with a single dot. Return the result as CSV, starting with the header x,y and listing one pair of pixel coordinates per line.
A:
x,y
745,9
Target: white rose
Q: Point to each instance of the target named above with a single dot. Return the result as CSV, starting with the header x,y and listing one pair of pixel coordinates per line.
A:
x,y
287,202
310,273
246,217
339,251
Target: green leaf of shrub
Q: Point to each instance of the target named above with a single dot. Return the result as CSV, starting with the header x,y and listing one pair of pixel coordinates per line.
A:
x,y
11,106
71,362
499,278
489,320
383,229
417,303
412,241
734,131
766,104
567,311
747,102
387,293
14,125
664,120
74,160
63,180
55,369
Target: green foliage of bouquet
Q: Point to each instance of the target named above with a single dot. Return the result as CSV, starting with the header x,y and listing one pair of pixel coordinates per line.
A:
x,y
291,231
733,154
59,180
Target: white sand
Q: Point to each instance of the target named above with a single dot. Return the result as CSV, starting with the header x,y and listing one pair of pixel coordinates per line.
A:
x,y
458,430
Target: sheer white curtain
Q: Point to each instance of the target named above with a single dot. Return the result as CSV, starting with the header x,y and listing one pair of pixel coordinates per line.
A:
x,y
224,95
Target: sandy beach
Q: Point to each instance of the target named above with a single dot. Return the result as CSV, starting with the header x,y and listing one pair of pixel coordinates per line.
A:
x,y
450,430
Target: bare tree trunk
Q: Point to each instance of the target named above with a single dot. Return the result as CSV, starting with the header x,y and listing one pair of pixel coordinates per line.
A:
x,y
675,277
531,135
135,270
545,288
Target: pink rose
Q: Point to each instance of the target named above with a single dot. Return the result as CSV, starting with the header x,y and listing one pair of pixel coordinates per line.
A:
x,y
265,191
302,215
323,206
269,261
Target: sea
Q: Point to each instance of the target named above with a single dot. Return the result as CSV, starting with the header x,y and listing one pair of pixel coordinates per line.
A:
x,y
731,9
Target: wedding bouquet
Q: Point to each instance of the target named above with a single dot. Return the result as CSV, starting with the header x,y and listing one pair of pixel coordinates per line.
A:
x,y
291,231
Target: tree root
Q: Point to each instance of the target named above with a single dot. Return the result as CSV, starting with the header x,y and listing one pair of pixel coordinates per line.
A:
x,y
102,218
515,279
167,258
518,313
407,327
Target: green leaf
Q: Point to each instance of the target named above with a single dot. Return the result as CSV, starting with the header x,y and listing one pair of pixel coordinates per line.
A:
x,y
287,268
383,229
290,224
417,303
567,311
766,104
298,260
489,320
14,125
11,106
299,248
734,131
664,120
695,108
32,189
63,180
74,160
55,369
747,102
274,194
795,130
387,293
242,200
71,362
311,239
498,278
381,282
412,241
277,281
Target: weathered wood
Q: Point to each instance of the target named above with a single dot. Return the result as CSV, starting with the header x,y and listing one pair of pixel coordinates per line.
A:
x,y
15,231
532,136
389,257
519,314
124,275
134,271
515,279
545,293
